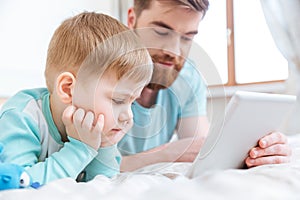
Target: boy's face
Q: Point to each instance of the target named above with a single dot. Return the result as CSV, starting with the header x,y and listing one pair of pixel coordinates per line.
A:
x,y
113,99
167,32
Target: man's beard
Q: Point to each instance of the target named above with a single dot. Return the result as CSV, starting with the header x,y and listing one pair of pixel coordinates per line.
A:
x,y
163,76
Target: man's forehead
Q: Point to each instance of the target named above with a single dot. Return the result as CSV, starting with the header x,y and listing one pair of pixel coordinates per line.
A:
x,y
177,18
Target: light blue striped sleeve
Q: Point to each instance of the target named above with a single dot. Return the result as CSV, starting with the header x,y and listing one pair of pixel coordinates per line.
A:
x,y
107,163
20,137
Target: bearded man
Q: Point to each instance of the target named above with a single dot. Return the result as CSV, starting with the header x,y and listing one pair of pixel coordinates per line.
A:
x,y
175,100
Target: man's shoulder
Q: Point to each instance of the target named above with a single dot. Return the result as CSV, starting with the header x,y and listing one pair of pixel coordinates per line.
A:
x,y
189,77
190,71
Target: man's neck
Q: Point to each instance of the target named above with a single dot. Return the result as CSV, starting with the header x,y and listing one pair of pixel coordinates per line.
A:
x,y
148,97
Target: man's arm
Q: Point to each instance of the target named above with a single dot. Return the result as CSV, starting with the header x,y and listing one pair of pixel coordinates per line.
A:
x,y
191,133
183,150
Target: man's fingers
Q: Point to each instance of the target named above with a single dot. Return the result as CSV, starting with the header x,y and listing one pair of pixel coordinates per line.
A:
x,y
271,139
277,149
266,160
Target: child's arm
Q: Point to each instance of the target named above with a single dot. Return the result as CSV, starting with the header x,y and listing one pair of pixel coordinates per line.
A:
x,y
22,140
80,125
68,162
107,163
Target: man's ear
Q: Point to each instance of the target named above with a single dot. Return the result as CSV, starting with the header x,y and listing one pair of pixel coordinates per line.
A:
x,y
65,84
131,18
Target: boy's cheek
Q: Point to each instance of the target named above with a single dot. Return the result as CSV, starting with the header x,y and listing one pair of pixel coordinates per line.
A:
x,y
130,125
84,102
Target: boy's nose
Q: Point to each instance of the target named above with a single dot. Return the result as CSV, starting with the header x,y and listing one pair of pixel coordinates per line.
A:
x,y
125,117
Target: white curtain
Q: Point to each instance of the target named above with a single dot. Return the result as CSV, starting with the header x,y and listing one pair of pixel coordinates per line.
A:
x,y
283,19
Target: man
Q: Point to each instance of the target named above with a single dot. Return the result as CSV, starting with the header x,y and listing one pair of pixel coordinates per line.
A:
x,y
176,102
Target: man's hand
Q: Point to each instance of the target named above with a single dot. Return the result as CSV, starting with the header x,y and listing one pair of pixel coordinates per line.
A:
x,y
271,149
80,125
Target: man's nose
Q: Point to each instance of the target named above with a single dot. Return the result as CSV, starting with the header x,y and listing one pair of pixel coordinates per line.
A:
x,y
172,46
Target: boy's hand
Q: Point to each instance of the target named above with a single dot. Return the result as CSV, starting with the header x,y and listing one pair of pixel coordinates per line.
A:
x,y
80,125
271,149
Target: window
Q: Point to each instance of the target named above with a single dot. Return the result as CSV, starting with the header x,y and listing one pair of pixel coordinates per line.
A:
x,y
236,37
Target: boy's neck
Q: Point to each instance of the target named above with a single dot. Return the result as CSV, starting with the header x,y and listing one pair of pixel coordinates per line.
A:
x,y
148,97
57,113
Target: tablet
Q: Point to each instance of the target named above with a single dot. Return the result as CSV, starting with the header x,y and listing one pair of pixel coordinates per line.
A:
x,y
248,117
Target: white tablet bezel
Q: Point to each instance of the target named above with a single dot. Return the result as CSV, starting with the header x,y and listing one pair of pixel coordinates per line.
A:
x,y
248,117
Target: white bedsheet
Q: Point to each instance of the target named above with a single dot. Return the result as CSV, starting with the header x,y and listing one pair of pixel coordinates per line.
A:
x,y
167,181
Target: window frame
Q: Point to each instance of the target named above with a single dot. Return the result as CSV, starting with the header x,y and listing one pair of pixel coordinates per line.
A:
x,y
232,85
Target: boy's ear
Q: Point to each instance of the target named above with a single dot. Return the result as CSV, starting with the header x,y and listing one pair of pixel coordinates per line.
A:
x,y
65,84
131,18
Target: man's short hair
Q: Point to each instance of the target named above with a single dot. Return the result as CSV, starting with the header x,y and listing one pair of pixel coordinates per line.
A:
x,y
196,5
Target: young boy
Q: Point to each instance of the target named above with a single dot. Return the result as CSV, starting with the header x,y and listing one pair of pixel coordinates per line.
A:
x,y
95,69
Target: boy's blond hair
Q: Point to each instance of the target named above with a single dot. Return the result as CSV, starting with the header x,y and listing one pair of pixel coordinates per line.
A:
x,y
95,44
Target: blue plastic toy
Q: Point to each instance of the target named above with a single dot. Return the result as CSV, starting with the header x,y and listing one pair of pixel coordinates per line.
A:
x,y
13,176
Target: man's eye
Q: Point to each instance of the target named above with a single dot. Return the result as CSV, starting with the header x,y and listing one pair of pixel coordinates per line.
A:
x,y
118,101
186,39
161,31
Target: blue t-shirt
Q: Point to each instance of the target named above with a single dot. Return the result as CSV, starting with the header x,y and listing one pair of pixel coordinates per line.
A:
x,y
31,139
155,126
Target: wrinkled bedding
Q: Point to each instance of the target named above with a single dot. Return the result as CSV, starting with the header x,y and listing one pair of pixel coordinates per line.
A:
x,y
168,181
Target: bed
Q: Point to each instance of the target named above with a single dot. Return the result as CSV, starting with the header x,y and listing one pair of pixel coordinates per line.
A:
x,y
168,181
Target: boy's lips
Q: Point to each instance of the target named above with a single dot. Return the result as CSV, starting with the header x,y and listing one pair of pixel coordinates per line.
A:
x,y
116,129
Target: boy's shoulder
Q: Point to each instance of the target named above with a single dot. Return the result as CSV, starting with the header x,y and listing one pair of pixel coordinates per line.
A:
x,y
21,99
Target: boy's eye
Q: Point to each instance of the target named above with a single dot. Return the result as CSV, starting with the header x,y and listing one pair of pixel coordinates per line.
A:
x,y
118,101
